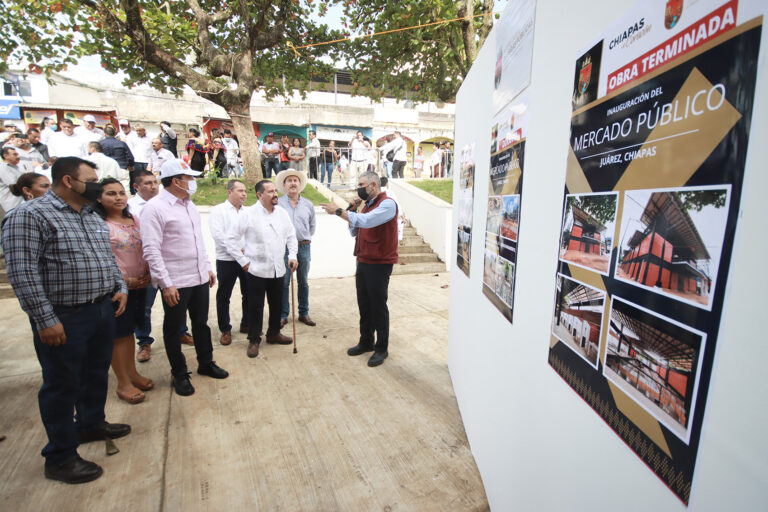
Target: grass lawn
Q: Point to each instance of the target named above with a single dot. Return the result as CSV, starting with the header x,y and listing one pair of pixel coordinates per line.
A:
x,y
210,193
440,188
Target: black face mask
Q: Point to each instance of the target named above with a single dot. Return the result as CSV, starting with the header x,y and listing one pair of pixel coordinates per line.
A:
x,y
92,191
363,193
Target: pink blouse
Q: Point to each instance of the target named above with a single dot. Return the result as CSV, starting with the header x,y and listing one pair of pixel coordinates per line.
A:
x,y
127,248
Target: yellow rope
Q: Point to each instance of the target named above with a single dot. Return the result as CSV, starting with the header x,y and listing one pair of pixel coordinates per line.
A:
x,y
420,25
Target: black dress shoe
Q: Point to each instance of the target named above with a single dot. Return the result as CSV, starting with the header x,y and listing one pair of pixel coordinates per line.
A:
x,y
212,370
103,431
359,349
76,471
182,385
377,358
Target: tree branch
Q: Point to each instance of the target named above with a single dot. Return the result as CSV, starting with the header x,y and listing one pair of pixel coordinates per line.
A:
x,y
273,36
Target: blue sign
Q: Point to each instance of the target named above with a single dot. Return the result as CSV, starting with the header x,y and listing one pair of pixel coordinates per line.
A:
x,y
9,109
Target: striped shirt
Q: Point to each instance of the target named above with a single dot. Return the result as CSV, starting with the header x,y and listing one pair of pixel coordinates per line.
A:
x,y
57,256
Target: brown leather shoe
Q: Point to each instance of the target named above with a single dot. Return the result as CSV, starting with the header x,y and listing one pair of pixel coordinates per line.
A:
x,y
307,320
279,339
226,338
145,352
244,330
186,339
283,322
253,349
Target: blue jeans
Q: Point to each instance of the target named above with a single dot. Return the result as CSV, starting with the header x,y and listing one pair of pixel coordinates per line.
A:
x,y
75,377
388,168
303,257
271,165
326,168
144,329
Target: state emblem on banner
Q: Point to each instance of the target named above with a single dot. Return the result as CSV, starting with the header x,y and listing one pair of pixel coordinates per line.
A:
x,y
672,13
585,74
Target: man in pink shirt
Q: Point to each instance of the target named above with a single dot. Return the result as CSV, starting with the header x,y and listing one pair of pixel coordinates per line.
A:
x,y
173,247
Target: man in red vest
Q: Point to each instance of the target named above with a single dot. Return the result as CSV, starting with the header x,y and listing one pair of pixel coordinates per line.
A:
x,y
375,229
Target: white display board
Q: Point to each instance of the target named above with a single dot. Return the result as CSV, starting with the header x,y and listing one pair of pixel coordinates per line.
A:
x,y
537,444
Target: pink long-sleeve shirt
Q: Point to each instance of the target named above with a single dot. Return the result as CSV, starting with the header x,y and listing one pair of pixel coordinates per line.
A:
x,y
173,242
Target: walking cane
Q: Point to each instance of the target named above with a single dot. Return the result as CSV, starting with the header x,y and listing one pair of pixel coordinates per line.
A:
x,y
293,310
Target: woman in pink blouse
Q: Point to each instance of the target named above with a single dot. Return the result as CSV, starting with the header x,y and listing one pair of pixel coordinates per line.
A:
x,y
126,246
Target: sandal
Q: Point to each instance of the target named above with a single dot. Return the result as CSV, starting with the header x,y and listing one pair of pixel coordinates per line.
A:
x,y
144,387
132,399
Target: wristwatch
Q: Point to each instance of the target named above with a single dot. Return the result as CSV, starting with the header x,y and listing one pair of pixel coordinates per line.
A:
x,y
338,211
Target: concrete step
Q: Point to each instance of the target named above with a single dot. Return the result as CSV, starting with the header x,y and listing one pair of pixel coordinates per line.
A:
x,y
423,257
3,275
414,248
412,240
419,268
6,291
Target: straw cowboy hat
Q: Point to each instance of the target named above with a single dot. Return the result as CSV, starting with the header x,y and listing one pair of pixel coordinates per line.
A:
x,y
282,175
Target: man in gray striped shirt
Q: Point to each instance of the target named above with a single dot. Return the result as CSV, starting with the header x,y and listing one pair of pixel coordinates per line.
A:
x,y
61,266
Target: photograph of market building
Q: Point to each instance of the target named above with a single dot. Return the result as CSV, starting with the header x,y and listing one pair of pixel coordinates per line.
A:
x,y
654,361
510,217
579,317
669,247
588,227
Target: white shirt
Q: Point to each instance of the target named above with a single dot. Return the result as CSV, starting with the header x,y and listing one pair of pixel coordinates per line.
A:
x,y
223,217
9,174
61,144
136,205
232,148
87,135
46,135
400,147
31,160
266,237
106,167
313,148
141,147
158,158
359,151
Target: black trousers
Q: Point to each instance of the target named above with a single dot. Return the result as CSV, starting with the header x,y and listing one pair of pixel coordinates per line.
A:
x,y
372,281
397,168
313,163
256,288
228,272
195,299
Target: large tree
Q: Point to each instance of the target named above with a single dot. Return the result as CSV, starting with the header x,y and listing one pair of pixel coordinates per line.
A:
x,y
223,49
423,64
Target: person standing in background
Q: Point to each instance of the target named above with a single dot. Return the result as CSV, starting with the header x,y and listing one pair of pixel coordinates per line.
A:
x,y
418,162
313,155
358,163
168,138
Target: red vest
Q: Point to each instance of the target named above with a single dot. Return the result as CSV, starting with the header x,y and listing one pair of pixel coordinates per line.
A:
x,y
379,244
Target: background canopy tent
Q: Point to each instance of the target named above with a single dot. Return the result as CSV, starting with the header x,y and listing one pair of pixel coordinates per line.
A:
x,y
283,129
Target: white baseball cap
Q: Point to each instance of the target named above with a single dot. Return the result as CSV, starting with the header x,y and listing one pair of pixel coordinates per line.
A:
x,y
175,168
123,121
88,118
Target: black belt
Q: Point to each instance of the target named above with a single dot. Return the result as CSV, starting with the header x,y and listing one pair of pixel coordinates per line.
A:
x,y
305,242
97,300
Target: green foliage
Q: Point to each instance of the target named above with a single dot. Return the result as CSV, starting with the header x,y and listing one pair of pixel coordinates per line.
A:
x,y
601,207
423,64
698,199
440,188
223,49
212,191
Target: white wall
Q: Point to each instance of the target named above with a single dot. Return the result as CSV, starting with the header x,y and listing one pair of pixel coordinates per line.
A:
x,y
432,218
537,444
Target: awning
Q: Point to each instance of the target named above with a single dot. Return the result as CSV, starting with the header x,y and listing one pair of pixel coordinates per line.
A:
x,y
339,133
283,129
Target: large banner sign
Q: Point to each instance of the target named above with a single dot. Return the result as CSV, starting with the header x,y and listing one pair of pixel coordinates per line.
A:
x,y
504,193
662,105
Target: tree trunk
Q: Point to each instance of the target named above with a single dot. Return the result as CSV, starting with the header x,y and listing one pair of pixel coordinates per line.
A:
x,y
249,144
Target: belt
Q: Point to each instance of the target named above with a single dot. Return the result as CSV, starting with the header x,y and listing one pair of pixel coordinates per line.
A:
x,y
98,299
305,242
359,160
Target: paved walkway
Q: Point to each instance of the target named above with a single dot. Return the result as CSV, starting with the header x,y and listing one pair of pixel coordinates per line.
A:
x,y
315,431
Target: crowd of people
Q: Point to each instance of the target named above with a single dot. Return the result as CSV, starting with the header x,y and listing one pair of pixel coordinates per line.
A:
x,y
86,257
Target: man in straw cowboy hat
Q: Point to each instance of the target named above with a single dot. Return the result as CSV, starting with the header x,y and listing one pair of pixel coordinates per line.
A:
x,y
302,213
268,232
